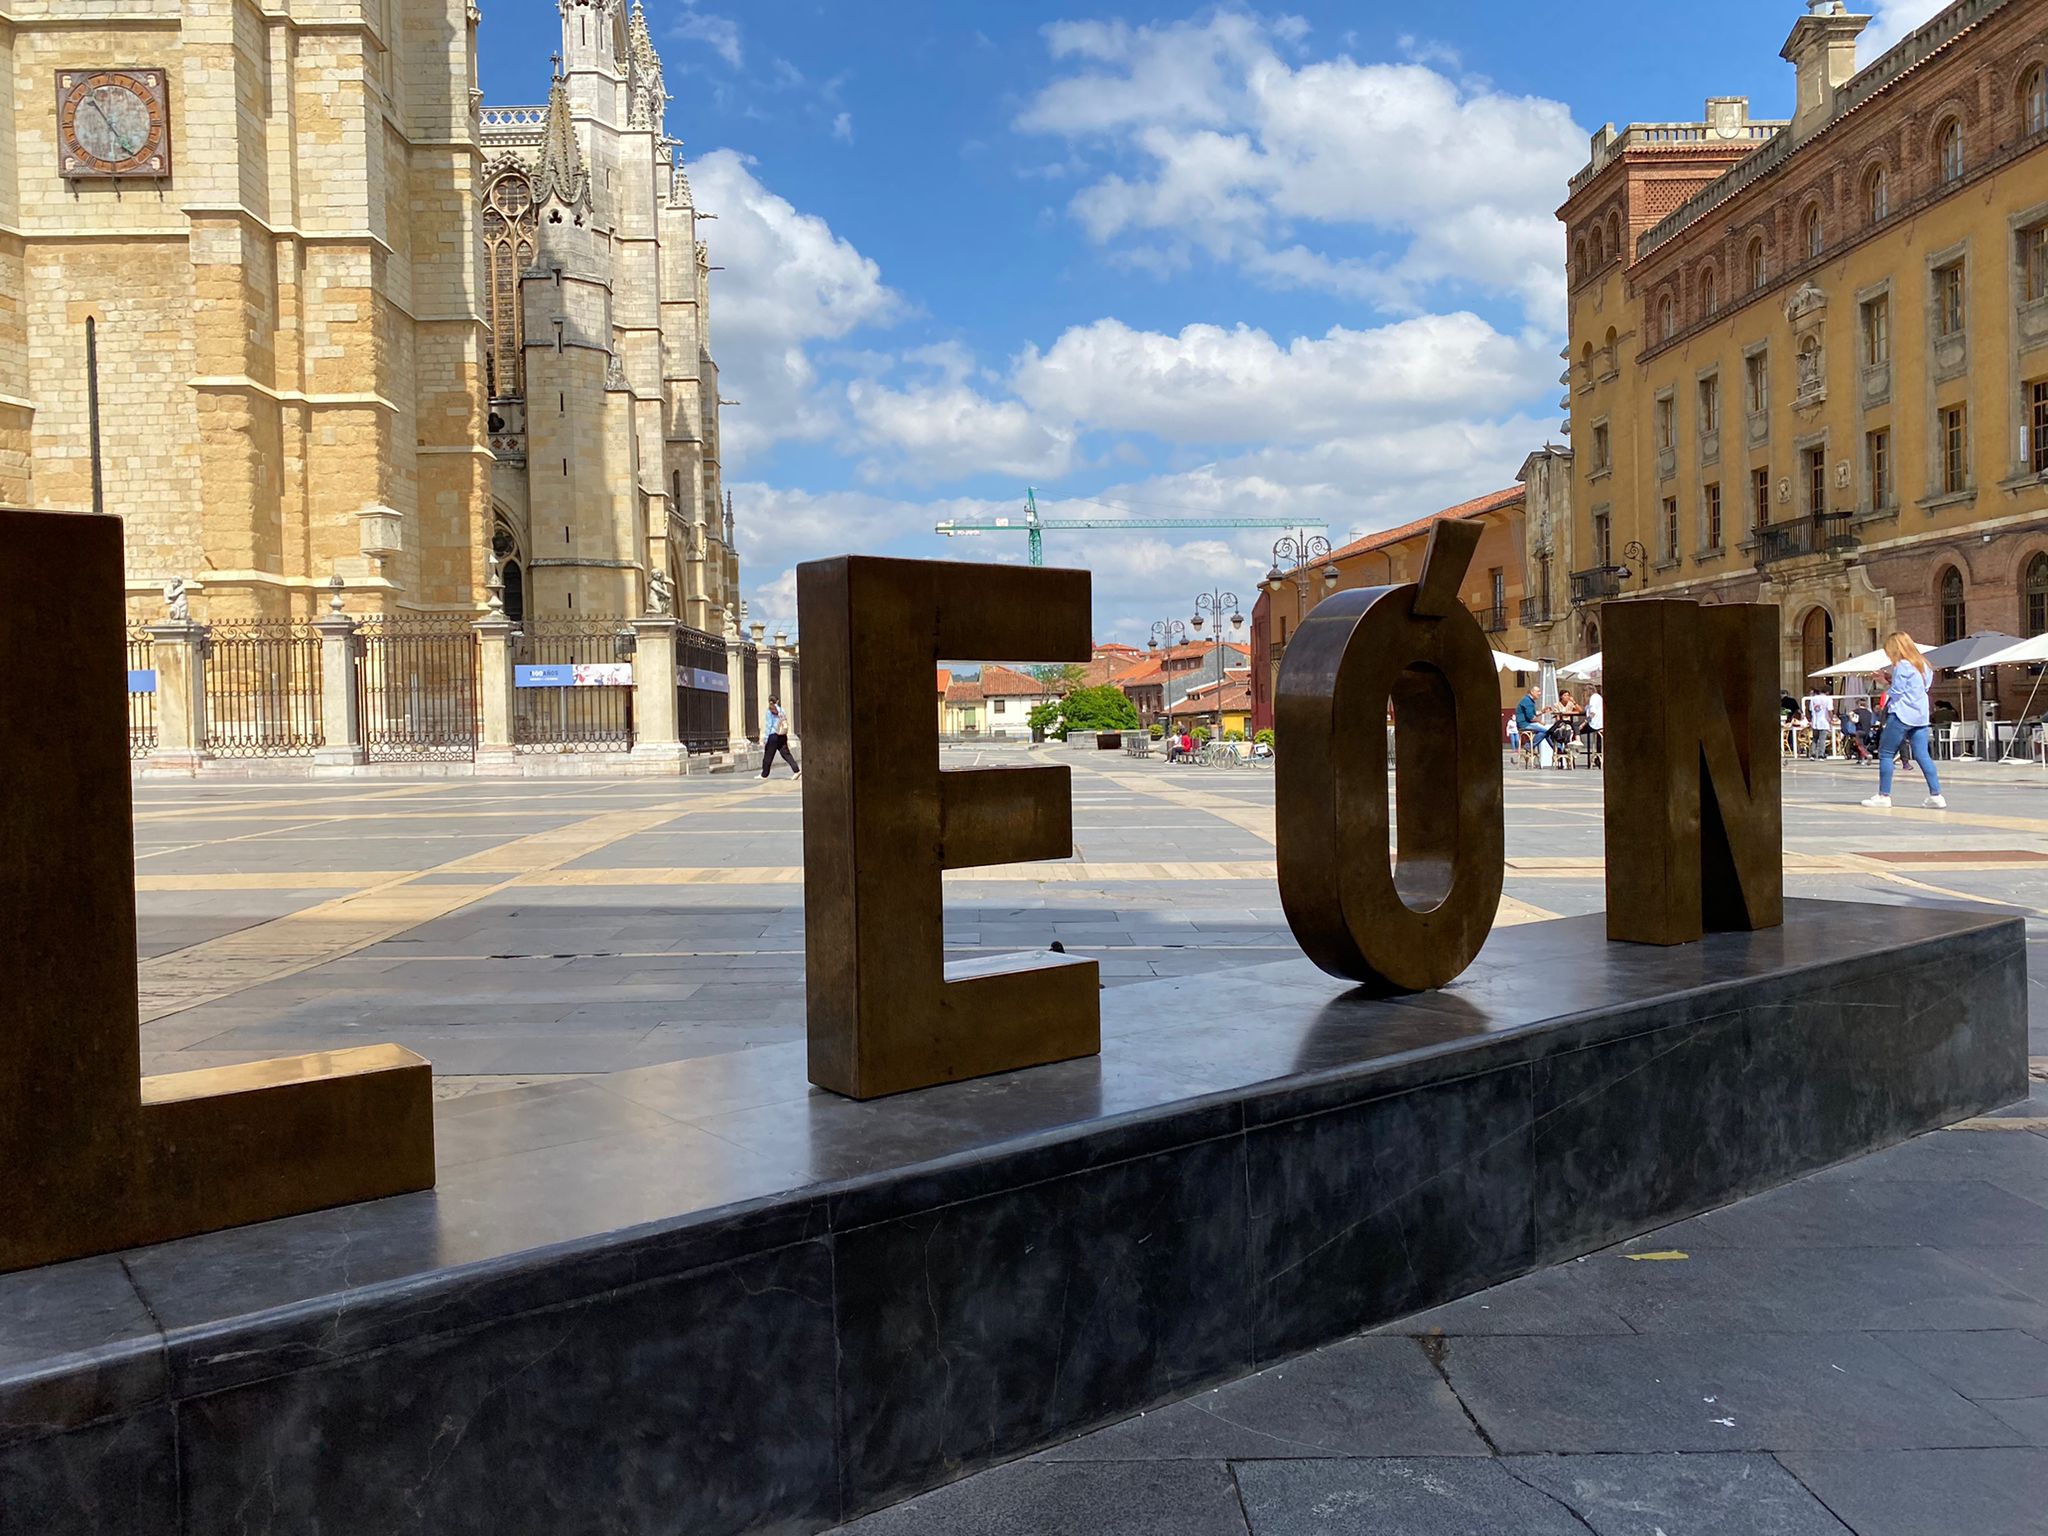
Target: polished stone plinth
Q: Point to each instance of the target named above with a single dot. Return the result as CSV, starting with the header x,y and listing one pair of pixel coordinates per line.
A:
x,y
704,1298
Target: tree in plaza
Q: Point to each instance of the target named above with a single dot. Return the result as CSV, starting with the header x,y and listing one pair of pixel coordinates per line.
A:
x,y
1060,677
1086,709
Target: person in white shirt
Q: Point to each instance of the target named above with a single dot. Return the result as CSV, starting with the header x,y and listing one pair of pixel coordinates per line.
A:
x,y
1820,716
1596,722
775,738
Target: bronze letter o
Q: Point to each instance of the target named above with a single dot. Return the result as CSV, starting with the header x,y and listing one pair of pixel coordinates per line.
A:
x,y
1412,924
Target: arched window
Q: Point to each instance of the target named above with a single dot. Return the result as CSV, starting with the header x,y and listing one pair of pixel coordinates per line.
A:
x,y
1614,234
1667,318
1579,267
1954,619
1599,256
2034,99
508,251
1710,293
1759,264
1810,229
2034,596
1877,194
1948,150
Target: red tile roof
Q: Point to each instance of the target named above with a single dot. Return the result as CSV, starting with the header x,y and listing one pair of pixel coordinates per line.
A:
x,y
1479,506
966,691
945,681
1010,683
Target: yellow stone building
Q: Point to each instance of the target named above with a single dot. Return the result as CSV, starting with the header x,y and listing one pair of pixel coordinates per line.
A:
x,y
260,233
1808,360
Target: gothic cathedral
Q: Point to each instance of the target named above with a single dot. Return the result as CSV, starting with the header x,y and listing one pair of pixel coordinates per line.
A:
x,y
603,393
280,293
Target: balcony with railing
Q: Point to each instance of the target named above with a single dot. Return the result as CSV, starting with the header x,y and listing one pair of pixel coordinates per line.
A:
x,y
1821,533
1536,610
1591,586
1494,620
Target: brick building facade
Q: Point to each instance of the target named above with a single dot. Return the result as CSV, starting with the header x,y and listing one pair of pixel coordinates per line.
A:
x,y
1820,377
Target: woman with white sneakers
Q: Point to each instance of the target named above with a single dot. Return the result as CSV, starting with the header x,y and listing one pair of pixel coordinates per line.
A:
x,y
1905,722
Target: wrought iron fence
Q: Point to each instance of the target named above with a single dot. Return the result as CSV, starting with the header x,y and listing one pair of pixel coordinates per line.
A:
x,y
262,688
750,671
416,685
141,695
703,692
595,714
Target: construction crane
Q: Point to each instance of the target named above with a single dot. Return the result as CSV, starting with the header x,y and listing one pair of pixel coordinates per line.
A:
x,y
1033,527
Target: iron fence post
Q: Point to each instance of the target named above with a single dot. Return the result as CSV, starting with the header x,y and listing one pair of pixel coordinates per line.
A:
x,y
341,714
655,739
494,753
736,695
177,650
764,686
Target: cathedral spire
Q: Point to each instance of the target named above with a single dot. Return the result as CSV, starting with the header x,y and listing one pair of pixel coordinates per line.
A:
x,y
646,100
558,170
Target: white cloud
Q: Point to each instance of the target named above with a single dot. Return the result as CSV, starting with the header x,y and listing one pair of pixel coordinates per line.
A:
x,y
721,34
842,127
1220,144
932,433
1211,385
1893,20
788,281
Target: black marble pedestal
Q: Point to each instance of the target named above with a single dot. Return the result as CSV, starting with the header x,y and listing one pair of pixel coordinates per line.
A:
x,y
704,1298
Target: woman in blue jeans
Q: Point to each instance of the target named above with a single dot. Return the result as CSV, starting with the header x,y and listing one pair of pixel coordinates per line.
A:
x,y
1905,722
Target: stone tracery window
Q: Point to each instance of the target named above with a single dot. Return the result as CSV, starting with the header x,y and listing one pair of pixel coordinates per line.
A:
x,y
1877,199
1710,293
509,233
1813,230
1759,264
2034,100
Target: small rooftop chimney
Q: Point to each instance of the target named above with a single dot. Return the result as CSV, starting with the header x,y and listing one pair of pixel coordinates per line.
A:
x,y
1822,52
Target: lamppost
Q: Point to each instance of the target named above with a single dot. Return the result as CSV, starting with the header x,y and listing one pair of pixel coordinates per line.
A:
x,y
1163,634
1631,551
1299,549
1209,607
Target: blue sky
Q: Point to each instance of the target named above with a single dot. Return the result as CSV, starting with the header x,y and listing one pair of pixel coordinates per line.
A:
x,y
1295,262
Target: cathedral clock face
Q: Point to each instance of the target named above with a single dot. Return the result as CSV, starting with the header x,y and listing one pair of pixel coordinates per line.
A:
x,y
113,122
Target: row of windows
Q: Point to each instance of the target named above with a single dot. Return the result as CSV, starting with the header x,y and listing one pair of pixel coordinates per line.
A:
x,y
1952,475
1874,195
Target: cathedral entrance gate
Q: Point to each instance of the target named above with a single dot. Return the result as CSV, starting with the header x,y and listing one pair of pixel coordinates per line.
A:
x,y
416,680
703,718
263,688
595,716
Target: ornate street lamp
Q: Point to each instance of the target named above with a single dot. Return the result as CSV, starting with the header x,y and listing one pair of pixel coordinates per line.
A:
x,y
1209,607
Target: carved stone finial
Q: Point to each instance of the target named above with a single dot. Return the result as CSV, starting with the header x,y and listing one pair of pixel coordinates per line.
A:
x,y
335,587
178,601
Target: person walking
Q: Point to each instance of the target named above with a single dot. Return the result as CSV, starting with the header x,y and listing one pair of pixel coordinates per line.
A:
x,y
1905,722
1596,726
775,738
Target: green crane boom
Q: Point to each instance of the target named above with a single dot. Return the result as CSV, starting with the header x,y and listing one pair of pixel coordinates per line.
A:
x,y
1033,527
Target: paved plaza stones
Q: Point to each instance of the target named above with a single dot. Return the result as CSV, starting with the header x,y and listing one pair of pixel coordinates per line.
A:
x,y
1865,1350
